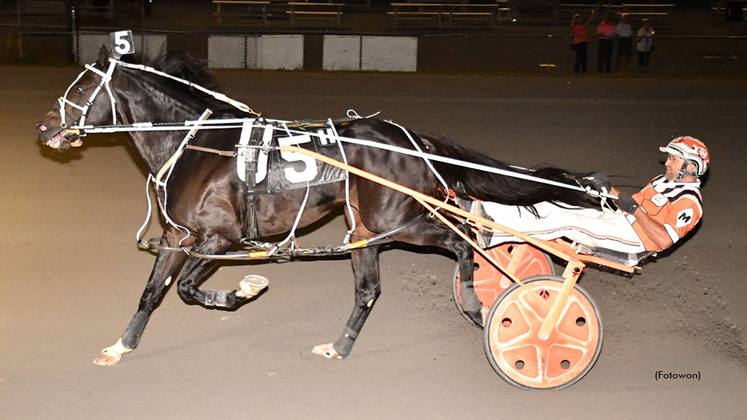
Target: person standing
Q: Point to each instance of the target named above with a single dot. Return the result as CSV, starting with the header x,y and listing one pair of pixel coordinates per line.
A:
x,y
605,31
645,44
624,34
580,41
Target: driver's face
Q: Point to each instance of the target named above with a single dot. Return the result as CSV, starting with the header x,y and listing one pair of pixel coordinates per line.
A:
x,y
673,165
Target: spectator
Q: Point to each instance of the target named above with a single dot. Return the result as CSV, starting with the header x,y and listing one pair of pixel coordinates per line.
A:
x,y
605,31
734,19
580,41
624,34
645,44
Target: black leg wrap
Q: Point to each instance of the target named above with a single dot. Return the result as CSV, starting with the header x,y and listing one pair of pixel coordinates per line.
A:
x,y
134,331
470,302
216,298
344,345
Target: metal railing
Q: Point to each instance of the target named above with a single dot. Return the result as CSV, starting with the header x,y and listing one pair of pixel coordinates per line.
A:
x,y
673,55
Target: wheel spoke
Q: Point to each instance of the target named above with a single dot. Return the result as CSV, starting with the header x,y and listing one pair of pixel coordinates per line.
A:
x,y
565,340
517,353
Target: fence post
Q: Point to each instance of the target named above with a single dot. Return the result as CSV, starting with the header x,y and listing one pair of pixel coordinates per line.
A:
x,y
360,52
76,39
69,22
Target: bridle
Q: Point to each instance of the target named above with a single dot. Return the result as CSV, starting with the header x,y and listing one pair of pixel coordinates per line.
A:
x,y
105,79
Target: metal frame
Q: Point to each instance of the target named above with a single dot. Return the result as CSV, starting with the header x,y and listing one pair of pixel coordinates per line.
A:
x,y
575,263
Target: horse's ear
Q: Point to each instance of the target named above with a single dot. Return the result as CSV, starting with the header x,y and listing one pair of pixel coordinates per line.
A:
x,y
104,55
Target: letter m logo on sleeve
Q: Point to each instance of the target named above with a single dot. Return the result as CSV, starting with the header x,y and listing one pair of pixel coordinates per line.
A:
x,y
684,218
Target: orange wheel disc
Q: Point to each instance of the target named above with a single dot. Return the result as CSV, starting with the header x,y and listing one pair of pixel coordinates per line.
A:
x,y
518,355
489,281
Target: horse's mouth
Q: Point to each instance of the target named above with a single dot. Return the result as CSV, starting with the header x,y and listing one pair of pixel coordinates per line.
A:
x,y
63,140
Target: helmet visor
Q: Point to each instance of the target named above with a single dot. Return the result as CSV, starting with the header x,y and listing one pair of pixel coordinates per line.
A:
x,y
671,151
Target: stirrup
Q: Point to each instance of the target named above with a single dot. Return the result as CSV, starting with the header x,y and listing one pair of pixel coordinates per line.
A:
x,y
630,260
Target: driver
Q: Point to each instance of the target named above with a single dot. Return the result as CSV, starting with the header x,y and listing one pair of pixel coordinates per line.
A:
x,y
651,220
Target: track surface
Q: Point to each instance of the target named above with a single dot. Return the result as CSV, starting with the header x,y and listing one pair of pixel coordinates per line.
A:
x,y
72,275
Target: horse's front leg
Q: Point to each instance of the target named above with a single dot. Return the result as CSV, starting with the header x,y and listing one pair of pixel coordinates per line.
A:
x,y
166,265
367,290
196,270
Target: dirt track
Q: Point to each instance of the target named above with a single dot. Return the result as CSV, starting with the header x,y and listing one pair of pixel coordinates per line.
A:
x,y
72,274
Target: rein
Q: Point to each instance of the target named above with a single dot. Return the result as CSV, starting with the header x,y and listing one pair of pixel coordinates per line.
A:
x,y
234,123
217,95
106,77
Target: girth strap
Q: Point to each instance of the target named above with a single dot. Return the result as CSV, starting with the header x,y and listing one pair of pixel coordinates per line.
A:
x,y
250,155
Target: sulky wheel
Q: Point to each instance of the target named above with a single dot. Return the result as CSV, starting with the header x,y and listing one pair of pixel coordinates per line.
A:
x,y
489,282
517,354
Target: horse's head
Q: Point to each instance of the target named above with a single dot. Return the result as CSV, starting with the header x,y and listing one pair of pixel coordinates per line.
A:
x,y
85,101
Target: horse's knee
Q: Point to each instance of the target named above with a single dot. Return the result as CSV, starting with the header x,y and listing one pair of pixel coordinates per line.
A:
x,y
187,291
367,297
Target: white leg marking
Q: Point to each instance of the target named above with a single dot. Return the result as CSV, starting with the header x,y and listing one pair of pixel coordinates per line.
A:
x,y
370,303
168,281
326,350
110,356
252,285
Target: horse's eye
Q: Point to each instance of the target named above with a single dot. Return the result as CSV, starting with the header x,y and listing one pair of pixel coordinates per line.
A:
x,y
80,91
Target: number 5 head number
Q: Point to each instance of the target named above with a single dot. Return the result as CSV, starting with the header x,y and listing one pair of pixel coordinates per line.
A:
x,y
121,43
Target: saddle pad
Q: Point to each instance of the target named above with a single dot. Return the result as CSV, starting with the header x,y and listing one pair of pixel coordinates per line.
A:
x,y
282,171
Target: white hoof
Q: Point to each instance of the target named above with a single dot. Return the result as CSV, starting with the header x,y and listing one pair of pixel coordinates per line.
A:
x,y
110,356
326,350
252,285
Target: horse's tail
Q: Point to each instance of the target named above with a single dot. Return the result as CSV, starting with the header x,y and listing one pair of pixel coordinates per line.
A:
x,y
501,188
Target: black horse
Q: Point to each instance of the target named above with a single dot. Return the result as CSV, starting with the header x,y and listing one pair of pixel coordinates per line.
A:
x,y
206,196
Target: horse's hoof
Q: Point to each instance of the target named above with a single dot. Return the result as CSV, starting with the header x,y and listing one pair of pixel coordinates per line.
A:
x,y
327,350
110,356
107,358
252,285
478,317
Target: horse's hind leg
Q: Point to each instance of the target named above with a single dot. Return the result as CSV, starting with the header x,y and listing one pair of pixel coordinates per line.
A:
x,y
435,233
166,265
368,283
367,290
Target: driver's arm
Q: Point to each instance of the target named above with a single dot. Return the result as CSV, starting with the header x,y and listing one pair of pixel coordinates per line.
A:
x,y
654,230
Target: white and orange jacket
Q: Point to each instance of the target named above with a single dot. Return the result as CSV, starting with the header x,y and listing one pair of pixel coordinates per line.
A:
x,y
678,206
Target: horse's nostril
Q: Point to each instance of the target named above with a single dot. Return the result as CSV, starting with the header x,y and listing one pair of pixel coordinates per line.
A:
x,y
41,127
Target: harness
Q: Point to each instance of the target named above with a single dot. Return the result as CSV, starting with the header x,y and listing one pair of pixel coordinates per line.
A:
x,y
246,167
266,170
260,164
106,77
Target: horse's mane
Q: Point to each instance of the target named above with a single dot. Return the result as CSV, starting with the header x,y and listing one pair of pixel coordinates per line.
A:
x,y
185,66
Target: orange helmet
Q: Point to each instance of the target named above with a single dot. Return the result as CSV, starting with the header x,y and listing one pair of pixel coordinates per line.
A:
x,y
692,149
